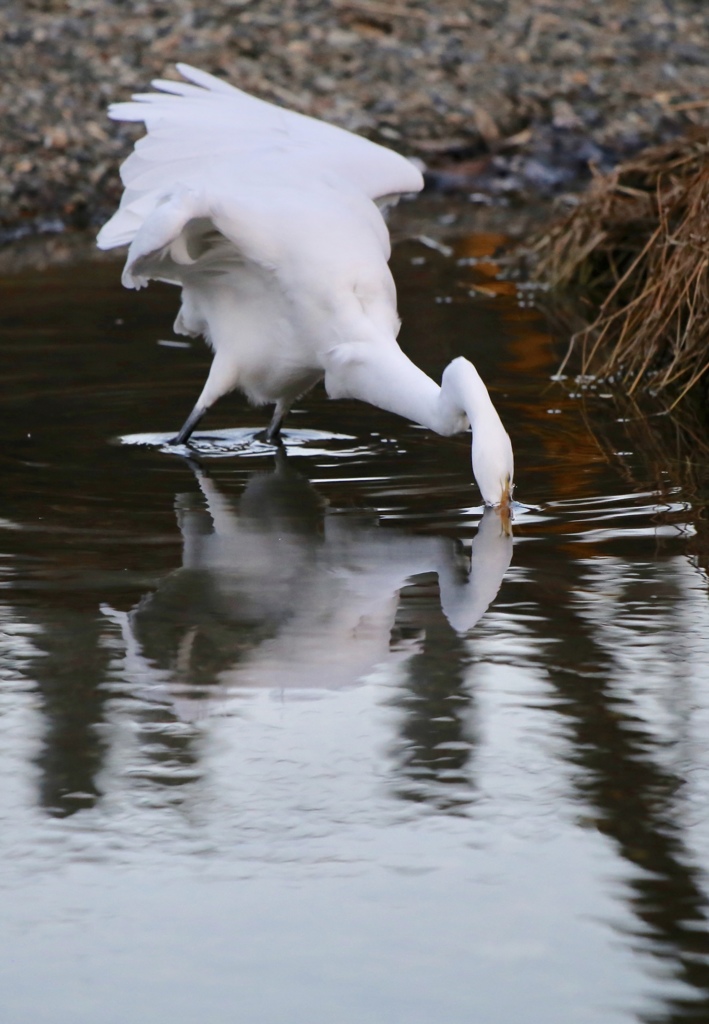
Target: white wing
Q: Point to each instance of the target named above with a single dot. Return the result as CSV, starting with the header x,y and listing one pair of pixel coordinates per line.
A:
x,y
210,137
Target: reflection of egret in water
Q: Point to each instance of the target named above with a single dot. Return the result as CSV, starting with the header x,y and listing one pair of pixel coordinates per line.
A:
x,y
435,740
624,778
69,662
276,592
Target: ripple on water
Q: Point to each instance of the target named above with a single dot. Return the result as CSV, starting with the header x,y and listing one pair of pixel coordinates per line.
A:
x,y
218,667
249,443
612,517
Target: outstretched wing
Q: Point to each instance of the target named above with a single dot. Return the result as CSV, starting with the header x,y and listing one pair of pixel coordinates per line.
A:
x,y
210,136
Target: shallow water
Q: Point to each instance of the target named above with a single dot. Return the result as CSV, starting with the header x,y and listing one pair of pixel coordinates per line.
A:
x,y
299,737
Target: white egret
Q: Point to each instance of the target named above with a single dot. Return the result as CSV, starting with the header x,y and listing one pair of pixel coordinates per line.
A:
x,y
270,223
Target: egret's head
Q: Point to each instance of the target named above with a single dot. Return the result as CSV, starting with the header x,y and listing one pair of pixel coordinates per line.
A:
x,y
493,463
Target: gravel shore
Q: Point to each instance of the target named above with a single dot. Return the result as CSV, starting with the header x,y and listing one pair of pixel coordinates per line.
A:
x,y
509,98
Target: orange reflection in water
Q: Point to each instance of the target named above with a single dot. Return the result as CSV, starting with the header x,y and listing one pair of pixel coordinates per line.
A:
x,y
571,457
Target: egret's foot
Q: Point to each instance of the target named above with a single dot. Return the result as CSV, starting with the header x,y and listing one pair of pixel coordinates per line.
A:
x,y
270,437
272,433
188,426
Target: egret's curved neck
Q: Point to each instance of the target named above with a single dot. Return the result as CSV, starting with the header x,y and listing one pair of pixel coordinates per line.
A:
x,y
463,388
383,376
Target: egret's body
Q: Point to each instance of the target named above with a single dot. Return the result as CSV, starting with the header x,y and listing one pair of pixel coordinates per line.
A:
x,y
268,220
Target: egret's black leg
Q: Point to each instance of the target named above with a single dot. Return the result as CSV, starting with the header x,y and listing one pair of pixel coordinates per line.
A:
x,y
188,426
272,435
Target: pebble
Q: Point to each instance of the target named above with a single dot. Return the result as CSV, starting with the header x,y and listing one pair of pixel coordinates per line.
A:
x,y
505,98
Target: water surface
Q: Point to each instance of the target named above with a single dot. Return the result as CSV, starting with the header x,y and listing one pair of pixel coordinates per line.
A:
x,y
301,736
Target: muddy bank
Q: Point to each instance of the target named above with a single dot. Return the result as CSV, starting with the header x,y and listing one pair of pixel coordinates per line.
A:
x,y
505,99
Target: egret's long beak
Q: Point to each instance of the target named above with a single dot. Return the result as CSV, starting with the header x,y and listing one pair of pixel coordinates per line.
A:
x,y
505,507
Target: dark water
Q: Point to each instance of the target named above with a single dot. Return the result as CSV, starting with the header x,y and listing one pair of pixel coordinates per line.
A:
x,y
267,755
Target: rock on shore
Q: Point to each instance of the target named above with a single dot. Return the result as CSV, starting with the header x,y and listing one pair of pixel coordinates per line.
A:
x,y
511,97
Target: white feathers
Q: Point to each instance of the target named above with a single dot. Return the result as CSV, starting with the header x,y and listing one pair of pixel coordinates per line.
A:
x,y
211,134
269,222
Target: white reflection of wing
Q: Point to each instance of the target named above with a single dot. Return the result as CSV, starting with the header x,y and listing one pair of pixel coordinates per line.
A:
x,y
311,596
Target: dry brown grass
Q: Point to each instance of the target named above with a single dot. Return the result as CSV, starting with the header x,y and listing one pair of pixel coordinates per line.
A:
x,y
670,455
638,244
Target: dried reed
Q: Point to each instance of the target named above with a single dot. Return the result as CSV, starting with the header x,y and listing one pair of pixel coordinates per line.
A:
x,y
670,455
638,243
